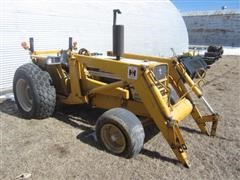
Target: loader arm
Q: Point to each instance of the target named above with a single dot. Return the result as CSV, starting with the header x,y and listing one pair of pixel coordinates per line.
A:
x,y
137,71
179,75
165,116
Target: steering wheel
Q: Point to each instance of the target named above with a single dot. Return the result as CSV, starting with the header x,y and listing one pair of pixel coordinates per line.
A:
x,y
84,52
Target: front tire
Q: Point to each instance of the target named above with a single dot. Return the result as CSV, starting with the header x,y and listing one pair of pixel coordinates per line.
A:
x,y
34,94
120,132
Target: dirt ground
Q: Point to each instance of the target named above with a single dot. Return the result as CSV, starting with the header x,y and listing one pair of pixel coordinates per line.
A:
x,y
64,146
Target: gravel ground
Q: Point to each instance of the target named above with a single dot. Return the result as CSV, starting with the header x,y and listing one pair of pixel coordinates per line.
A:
x,y
64,146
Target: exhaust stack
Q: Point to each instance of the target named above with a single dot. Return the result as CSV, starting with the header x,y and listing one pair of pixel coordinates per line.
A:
x,y
118,36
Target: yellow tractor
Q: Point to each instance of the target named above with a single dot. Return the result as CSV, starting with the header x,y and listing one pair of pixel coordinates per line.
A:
x,y
134,89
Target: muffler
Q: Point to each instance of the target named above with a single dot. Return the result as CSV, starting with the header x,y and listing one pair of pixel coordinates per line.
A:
x,y
118,36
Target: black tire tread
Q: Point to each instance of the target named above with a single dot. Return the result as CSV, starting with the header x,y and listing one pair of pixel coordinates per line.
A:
x,y
42,87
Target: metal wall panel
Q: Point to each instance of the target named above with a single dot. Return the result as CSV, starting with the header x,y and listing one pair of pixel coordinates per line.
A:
x,y
151,27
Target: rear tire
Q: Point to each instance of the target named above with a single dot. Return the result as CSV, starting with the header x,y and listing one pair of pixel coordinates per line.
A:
x,y
34,94
120,132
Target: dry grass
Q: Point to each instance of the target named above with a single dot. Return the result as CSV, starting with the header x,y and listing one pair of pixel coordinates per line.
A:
x,y
64,147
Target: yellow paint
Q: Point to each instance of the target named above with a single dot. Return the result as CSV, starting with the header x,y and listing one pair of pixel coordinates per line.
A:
x,y
135,73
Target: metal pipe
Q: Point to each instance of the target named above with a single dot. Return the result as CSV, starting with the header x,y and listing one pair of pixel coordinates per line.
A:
x,y
70,43
106,87
46,52
115,12
31,41
118,36
208,105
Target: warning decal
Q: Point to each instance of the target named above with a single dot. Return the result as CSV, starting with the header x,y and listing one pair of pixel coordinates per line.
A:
x,y
132,72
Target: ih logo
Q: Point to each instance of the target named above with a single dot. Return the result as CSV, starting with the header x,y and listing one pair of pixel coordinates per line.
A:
x,y
132,72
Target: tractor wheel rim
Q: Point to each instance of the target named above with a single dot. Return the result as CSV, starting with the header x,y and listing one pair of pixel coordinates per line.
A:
x,y
24,95
113,138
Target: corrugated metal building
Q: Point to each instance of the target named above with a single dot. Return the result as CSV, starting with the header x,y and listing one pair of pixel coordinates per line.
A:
x,y
151,27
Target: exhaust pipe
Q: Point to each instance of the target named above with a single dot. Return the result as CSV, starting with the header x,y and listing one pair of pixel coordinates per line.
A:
x,y
118,36
31,42
70,43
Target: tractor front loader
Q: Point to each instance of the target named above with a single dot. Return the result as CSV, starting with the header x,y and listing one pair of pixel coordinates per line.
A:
x,y
131,87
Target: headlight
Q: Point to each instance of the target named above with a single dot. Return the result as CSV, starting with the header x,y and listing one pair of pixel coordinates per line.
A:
x,y
160,72
53,60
